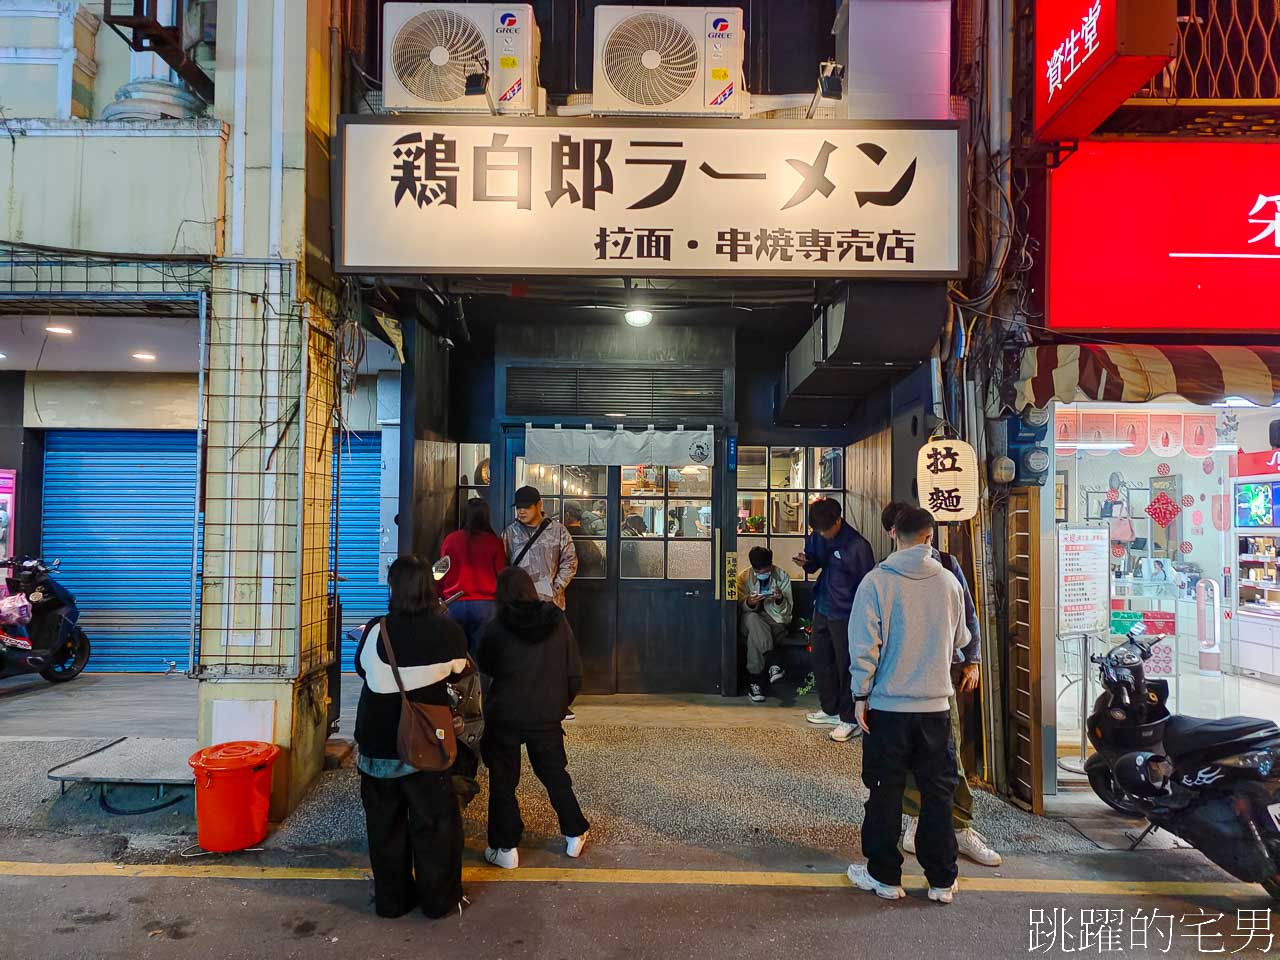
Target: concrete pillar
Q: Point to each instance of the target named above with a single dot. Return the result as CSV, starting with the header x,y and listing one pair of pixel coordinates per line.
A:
x,y
264,626
270,389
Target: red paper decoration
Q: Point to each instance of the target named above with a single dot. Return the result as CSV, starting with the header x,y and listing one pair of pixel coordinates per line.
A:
x,y
1184,547
1163,470
1198,518
1207,466
1188,500
1113,495
1117,551
1162,510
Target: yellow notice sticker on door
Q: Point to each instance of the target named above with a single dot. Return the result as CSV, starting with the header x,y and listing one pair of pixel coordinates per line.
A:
x,y
509,63
720,73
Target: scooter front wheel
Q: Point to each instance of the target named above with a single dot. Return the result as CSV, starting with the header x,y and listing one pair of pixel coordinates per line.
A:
x,y
1104,785
75,658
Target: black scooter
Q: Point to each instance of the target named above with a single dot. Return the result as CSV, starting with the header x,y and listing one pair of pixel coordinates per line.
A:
x,y
52,644
1130,714
1214,783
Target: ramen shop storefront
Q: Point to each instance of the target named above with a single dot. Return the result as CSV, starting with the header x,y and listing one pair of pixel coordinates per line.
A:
x,y
612,397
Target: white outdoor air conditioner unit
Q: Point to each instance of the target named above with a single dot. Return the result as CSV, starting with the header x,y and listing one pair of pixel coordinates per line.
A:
x,y
430,49
669,60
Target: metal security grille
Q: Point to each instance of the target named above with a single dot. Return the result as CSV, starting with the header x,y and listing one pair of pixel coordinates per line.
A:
x,y
1024,740
661,394
1227,50
358,475
119,512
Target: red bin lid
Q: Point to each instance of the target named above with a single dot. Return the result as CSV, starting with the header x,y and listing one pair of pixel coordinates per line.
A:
x,y
236,755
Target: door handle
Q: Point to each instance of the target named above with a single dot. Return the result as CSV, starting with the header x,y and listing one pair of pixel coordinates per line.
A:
x,y
693,593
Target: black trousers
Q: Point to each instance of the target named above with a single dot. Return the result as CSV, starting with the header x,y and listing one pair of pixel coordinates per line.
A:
x,y
415,843
501,750
920,743
830,644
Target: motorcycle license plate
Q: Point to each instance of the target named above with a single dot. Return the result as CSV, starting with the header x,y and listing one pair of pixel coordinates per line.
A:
x,y
1274,810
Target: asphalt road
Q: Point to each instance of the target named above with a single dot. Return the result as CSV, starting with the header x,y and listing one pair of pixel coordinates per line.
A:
x,y
619,903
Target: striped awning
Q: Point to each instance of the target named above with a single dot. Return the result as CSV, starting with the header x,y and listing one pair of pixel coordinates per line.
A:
x,y
1134,373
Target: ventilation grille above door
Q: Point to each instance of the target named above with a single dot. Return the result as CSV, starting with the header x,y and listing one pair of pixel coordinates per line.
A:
x,y
667,395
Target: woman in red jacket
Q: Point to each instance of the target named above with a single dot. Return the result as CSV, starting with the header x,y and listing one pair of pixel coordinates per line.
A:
x,y
476,556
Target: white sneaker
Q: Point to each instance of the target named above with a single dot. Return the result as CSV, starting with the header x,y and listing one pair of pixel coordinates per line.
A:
x,y
844,732
506,858
943,894
755,694
909,836
860,877
573,846
822,719
974,846
777,674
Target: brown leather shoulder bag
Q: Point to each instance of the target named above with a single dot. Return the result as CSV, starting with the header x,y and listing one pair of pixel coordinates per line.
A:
x,y
426,739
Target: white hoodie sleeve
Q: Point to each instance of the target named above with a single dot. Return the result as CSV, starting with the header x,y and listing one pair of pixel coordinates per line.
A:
x,y
866,637
962,636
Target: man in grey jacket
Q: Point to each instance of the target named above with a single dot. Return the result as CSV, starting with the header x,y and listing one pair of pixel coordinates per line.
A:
x,y
907,623
968,664
552,560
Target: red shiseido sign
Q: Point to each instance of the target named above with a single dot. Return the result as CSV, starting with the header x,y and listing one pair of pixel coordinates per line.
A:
x,y
1165,236
1092,55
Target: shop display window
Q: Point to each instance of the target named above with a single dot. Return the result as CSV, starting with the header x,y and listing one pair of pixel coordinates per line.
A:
x,y
775,487
1193,521
666,529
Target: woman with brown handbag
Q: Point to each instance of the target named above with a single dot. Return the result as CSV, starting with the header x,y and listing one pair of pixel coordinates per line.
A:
x,y
407,746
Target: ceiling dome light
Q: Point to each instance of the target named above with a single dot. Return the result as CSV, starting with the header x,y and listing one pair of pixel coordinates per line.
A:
x,y
638,318
61,331
4,356
144,356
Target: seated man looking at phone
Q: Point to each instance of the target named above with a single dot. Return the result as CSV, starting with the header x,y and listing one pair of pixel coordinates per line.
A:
x,y
765,594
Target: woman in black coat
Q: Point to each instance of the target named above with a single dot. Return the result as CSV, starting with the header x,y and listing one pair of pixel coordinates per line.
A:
x,y
412,816
532,657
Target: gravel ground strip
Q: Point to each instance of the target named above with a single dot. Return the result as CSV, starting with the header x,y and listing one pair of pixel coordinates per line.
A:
x,y
703,787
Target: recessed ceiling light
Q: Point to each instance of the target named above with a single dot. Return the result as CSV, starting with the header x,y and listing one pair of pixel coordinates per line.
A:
x,y
61,331
144,356
638,318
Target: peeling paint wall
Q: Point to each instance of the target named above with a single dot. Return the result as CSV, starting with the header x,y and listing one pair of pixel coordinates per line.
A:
x,y
149,188
110,401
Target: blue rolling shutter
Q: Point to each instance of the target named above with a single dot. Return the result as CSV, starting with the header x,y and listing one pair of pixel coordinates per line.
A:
x,y
118,512
362,596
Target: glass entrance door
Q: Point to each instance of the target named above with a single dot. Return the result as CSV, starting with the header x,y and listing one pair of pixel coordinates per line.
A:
x,y
643,602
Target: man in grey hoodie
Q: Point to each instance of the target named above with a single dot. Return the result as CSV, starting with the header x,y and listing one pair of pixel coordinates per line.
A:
x,y
908,621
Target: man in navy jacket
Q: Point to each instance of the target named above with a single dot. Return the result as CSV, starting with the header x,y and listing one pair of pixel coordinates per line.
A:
x,y
844,556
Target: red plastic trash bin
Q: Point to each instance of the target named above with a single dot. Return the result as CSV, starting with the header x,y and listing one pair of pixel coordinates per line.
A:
x,y
233,792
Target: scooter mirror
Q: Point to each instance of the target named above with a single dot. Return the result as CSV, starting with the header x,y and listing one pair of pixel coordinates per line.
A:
x,y
440,568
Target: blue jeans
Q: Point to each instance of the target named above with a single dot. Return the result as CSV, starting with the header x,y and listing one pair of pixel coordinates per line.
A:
x,y
472,615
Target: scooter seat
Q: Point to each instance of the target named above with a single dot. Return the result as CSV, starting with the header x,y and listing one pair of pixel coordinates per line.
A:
x,y
1188,735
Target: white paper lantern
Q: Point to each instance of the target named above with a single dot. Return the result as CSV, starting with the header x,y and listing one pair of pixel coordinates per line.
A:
x,y
947,480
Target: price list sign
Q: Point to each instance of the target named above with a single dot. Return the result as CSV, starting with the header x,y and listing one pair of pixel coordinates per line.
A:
x,y
1084,580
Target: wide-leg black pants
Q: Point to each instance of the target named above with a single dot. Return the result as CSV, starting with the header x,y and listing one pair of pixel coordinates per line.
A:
x,y
415,843
501,750
920,743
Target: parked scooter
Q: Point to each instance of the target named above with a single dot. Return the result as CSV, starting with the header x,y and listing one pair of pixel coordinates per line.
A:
x,y
1130,714
48,639
1214,783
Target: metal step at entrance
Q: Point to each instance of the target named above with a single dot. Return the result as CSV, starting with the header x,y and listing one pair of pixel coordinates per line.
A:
x,y
132,761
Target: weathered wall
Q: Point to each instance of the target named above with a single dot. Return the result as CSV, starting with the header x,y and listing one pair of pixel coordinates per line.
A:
x,y
110,401
147,188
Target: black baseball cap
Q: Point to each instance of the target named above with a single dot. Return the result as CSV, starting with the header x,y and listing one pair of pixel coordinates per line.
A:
x,y
527,497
